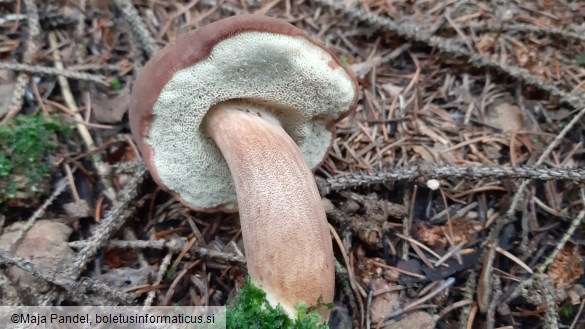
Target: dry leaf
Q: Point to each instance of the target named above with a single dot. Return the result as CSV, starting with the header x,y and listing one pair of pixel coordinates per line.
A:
x,y
110,110
116,258
383,304
434,236
418,319
566,267
504,116
425,153
127,277
45,244
77,209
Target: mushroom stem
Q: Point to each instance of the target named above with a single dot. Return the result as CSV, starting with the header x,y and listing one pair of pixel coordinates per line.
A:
x,y
284,227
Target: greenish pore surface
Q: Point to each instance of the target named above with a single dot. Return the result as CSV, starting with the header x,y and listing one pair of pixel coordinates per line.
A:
x,y
24,144
250,309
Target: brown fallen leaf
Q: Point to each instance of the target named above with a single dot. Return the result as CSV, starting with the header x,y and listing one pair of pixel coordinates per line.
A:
x,y
45,244
127,277
116,258
383,304
425,153
78,209
566,267
434,236
505,116
110,109
418,319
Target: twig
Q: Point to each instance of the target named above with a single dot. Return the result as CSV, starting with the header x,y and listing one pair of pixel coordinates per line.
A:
x,y
342,278
514,259
578,315
81,128
409,202
61,185
130,235
34,29
135,53
538,289
175,245
454,306
11,18
509,214
369,308
526,28
137,26
115,218
94,67
520,192
74,289
80,46
350,273
427,172
546,288
495,298
561,244
468,293
361,179
53,71
164,265
448,283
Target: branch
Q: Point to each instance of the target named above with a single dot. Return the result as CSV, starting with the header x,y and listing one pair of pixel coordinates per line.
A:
x,y
427,172
34,29
75,289
54,71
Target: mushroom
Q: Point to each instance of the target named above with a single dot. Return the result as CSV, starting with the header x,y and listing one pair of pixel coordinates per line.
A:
x,y
232,116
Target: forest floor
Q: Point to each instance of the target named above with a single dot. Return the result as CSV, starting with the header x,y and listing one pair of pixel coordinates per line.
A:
x,y
485,97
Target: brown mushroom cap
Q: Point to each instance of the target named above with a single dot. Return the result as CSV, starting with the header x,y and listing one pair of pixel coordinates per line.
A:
x,y
248,57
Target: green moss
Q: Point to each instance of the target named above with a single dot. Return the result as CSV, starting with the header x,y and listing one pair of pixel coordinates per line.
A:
x,y
250,309
566,311
116,84
24,144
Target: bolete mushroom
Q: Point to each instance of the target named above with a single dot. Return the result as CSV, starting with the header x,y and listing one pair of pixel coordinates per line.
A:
x,y
232,116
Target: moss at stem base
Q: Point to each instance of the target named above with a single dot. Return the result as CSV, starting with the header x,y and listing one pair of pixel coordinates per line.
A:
x,y
250,309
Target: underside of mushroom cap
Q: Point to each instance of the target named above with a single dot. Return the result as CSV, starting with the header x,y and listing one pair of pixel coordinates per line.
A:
x,y
250,58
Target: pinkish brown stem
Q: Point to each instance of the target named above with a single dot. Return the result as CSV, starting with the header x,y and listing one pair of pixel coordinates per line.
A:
x,y
285,231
